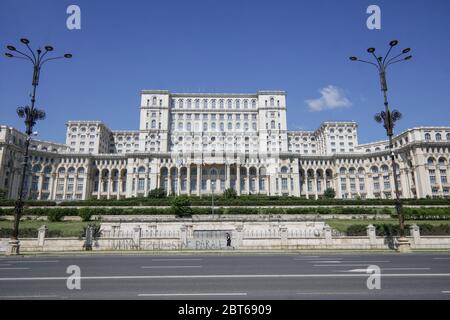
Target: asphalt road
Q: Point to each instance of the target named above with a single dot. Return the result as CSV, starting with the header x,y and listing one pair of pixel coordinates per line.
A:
x,y
244,276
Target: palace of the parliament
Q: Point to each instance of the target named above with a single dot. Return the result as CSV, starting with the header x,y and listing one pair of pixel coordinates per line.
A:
x,y
198,144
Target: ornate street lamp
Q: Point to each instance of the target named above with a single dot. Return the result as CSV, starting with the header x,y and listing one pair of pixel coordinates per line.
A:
x,y
388,119
31,116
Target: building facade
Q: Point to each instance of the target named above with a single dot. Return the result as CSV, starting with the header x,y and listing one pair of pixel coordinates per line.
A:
x,y
199,144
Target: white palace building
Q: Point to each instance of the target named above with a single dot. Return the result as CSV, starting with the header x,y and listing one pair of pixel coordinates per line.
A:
x,y
198,144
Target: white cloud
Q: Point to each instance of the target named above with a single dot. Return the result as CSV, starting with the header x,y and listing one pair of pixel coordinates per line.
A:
x,y
332,97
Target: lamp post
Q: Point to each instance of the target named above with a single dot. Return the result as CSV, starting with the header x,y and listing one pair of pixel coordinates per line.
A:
x,y
388,119
31,116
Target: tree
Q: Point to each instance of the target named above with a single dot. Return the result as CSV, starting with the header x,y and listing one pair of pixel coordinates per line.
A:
x,y
329,193
181,206
230,193
157,193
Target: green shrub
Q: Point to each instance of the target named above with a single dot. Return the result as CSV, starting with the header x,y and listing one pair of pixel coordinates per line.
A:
x,y
157,193
55,215
329,193
229,193
85,214
181,206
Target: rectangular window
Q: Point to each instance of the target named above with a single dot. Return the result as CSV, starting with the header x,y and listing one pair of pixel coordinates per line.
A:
x,y
141,184
45,183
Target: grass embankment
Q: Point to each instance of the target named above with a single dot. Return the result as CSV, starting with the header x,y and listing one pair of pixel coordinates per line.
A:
x,y
67,228
75,228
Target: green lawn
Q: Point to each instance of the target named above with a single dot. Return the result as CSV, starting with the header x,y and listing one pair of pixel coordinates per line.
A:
x,y
342,225
68,228
74,228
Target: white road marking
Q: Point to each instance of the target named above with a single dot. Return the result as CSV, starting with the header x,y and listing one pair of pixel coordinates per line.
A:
x,y
183,259
365,270
191,294
32,261
315,259
26,297
14,268
341,265
231,276
331,293
169,267
350,261
445,291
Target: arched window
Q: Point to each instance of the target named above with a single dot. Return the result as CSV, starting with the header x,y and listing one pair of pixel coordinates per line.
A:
x,y
238,104
374,169
47,170
221,104
80,171
438,137
180,103
153,124
154,101
205,103
284,169
272,102
189,103
427,136
342,170
71,170
229,104
384,168
245,104
197,103
442,161
431,161
213,103
37,168
272,124
352,170
141,170
253,103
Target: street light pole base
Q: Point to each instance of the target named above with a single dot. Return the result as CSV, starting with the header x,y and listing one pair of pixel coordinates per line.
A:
x,y
403,245
14,248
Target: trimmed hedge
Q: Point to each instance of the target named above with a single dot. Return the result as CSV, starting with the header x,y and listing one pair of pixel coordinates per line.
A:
x,y
391,230
86,213
253,200
426,213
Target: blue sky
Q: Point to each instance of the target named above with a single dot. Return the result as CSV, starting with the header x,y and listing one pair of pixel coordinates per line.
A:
x,y
227,46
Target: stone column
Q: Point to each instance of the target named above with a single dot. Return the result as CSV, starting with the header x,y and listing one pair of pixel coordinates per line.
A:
x,y
247,180
178,181
65,186
199,182
228,176
238,179
42,232
371,233
327,235
109,184
137,237
188,180
119,186
415,233
284,237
